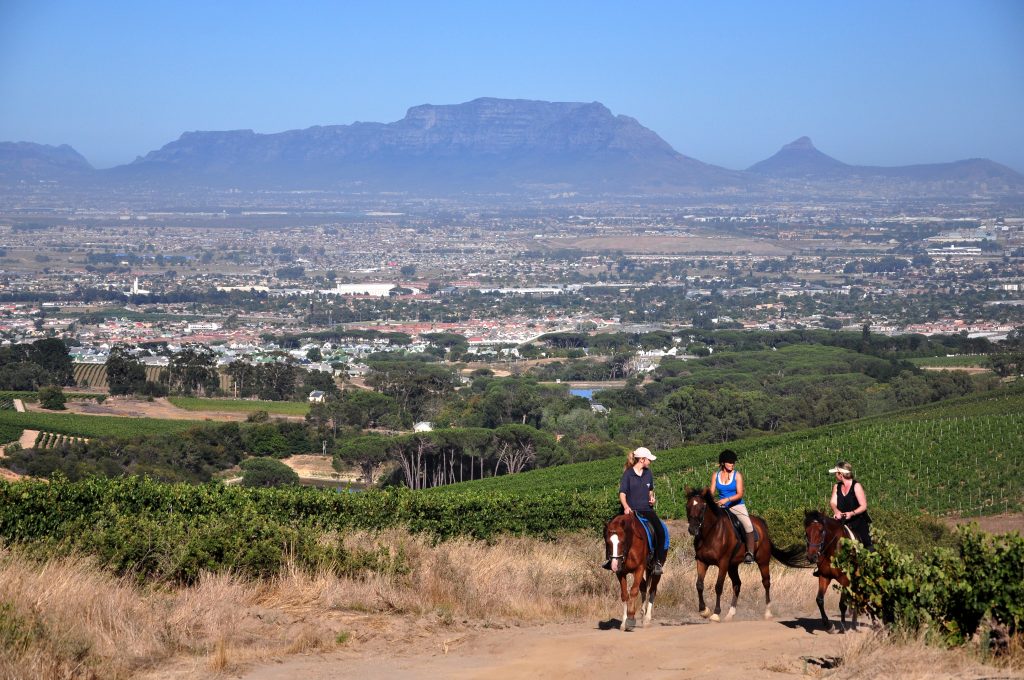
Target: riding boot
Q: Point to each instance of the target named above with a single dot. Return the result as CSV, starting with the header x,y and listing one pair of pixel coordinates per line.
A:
x,y
750,559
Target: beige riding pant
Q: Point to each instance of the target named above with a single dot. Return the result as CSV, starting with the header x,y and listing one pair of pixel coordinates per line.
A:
x,y
741,512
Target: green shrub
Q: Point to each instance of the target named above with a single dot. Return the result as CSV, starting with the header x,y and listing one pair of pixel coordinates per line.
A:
x,y
52,398
945,592
267,472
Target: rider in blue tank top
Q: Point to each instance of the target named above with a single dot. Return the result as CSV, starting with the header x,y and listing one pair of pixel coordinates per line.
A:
x,y
729,490
728,483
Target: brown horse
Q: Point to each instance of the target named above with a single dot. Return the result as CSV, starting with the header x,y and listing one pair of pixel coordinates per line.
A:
x,y
625,541
715,543
823,535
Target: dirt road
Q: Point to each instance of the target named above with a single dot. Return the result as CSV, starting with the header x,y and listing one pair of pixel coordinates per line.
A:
x,y
667,649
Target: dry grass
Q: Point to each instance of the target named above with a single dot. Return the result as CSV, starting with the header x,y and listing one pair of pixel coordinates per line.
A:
x,y
66,618
866,657
80,622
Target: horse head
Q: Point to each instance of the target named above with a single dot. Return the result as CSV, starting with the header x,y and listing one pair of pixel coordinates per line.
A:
x,y
697,503
817,534
618,535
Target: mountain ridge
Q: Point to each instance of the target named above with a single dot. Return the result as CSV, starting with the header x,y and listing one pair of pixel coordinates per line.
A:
x,y
801,159
489,145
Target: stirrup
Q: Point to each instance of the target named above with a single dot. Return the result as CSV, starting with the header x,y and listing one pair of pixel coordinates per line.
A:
x,y
657,568
749,559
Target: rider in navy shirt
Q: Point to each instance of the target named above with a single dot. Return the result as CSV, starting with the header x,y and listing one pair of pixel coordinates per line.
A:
x,y
636,493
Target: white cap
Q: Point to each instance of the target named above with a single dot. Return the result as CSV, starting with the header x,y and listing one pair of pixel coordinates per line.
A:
x,y
644,452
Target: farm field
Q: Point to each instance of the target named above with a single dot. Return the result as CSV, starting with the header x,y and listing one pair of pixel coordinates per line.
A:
x,y
77,425
937,459
964,361
288,408
94,376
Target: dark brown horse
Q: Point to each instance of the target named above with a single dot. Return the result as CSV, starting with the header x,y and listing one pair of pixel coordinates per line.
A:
x,y
823,536
625,543
715,543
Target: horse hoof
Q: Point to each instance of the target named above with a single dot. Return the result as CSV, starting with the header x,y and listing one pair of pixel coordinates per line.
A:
x,y
715,618
705,613
768,615
630,624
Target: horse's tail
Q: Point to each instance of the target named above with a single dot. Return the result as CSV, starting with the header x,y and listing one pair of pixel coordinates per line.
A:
x,y
795,556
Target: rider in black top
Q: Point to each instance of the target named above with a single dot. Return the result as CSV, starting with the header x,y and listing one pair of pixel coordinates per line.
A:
x,y
850,503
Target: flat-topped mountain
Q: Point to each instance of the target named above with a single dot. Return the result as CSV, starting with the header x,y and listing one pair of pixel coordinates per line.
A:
x,y
485,144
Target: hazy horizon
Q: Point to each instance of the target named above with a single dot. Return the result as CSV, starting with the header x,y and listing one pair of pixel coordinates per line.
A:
x,y
870,84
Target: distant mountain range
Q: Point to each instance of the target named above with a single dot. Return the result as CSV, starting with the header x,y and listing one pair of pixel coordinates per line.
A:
x,y
801,160
497,146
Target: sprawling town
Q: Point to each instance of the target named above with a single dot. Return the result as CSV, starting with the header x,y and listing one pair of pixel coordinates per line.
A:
x,y
239,282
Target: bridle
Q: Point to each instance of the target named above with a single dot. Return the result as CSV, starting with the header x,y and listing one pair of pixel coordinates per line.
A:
x,y
821,546
614,539
698,532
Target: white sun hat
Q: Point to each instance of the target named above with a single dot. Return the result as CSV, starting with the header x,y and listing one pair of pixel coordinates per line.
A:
x,y
644,452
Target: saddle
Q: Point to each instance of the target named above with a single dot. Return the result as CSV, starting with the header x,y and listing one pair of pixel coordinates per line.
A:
x,y
740,531
650,535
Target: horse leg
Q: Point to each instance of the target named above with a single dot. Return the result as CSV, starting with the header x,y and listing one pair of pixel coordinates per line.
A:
x,y
823,582
644,585
842,613
631,602
719,585
650,599
702,569
766,581
625,600
734,576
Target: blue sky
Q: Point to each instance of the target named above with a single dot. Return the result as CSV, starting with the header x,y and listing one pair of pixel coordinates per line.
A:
x,y
881,83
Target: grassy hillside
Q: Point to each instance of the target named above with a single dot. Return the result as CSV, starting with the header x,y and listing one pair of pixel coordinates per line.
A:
x,y
957,457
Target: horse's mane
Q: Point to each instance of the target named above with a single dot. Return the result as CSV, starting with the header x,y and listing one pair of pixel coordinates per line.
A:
x,y
709,499
811,516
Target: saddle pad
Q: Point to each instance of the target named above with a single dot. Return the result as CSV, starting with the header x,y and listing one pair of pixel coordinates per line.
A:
x,y
650,533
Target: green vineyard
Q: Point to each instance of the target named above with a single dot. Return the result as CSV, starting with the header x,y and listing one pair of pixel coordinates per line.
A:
x,y
92,426
95,376
952,458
